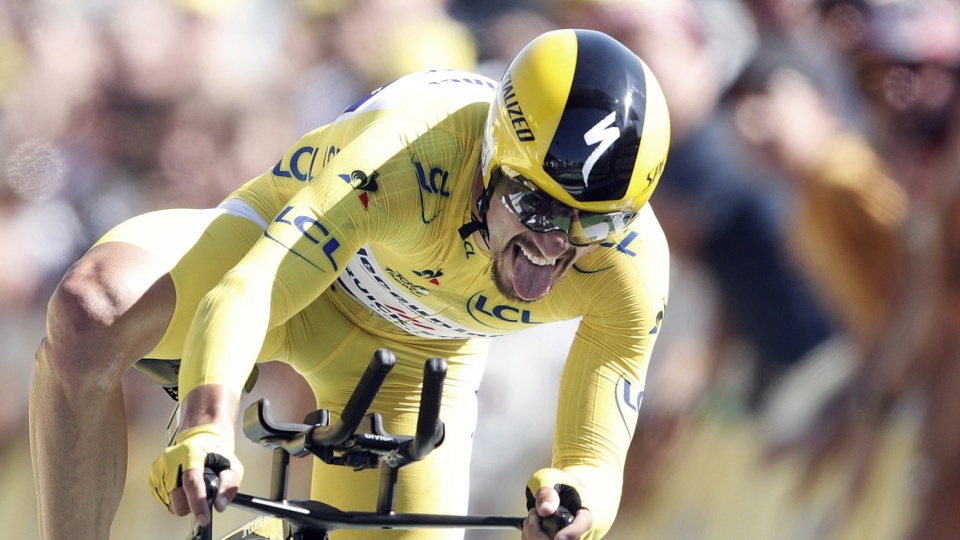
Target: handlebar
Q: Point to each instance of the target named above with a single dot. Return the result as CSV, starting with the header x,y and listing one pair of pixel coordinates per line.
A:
x,y
358,439
429,427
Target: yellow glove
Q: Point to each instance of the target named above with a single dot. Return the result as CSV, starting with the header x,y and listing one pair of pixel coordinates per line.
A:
x,y
570,490
189,451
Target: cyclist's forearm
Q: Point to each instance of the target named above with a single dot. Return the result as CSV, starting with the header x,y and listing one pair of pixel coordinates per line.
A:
x,y
227,334
210,404
596,416
205,440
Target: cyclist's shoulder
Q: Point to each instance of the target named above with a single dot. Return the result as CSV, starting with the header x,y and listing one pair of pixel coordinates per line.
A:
x,y
643,242
648,229
409,107
635,262
423,94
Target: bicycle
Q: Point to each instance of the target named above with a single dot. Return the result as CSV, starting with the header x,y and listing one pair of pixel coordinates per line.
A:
x,y
358,440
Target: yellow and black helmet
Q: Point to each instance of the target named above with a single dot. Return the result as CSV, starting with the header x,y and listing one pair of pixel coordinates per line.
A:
x,y
583,119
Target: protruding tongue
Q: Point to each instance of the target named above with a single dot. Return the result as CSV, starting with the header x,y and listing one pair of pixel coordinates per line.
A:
x,y
531,281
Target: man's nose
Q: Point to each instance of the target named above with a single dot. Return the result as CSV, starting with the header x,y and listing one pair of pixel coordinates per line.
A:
x,y
552,244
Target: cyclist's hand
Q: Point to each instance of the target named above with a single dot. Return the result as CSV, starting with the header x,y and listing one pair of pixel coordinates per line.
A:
x,y
553,493
547,503
186,493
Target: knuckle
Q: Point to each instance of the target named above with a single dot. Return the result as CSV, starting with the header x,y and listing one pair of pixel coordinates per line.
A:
x,y
189,480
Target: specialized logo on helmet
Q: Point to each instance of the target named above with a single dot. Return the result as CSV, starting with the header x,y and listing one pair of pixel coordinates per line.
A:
x,y
656,172
514,111
603,134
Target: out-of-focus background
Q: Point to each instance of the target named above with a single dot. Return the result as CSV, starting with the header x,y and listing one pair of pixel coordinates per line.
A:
x,y
805,382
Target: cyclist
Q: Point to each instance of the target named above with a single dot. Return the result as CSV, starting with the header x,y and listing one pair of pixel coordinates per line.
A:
x,y
438,212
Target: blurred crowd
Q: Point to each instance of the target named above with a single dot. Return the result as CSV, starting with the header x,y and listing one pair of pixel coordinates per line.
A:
x,y
804,383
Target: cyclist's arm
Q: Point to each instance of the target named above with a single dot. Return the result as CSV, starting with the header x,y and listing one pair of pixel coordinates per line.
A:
x,y
301,253
602,382
307,245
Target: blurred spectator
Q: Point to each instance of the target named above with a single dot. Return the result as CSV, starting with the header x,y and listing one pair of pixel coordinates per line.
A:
x,y
798,23
848,215
502,36
897,292
39,231
105,111
334,60
907,66
845,230
935,275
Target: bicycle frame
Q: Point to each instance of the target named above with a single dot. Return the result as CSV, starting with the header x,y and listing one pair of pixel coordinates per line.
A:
x,y
357,440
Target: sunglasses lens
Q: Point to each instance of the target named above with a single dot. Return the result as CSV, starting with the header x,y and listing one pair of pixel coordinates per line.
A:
x,y
542,214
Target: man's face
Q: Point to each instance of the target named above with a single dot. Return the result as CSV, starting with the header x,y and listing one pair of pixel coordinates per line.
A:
x,y
526,264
